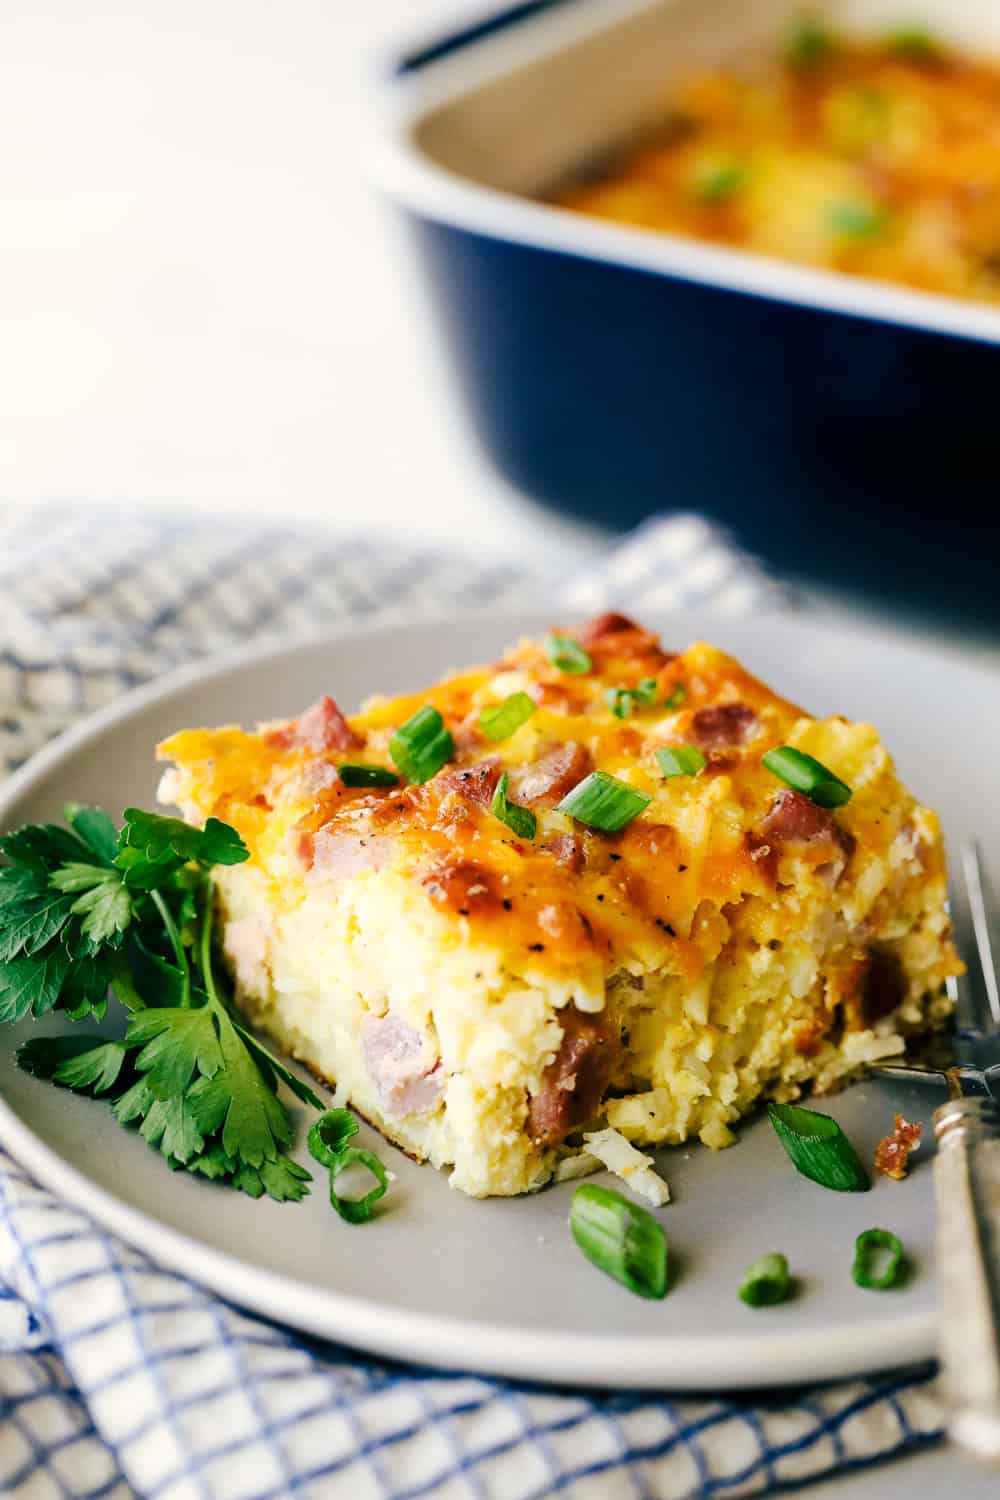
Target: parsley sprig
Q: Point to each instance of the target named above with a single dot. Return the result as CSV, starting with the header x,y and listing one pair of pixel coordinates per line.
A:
x,y
89,908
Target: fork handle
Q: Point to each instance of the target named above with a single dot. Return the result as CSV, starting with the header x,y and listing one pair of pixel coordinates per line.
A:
x,y
967,1193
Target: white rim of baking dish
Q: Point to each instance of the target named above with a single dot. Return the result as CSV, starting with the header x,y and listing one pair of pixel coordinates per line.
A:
x,y
661,1361
410,177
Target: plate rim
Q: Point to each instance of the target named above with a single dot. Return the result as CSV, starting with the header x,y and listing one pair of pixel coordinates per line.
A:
x,y
655,1361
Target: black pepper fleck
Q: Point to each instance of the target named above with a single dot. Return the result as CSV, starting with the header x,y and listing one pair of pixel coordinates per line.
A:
x,y
508,905
463,911
600,895
681,869
536,947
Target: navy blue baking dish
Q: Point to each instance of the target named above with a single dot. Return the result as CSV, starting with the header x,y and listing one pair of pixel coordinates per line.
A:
x,y
846,429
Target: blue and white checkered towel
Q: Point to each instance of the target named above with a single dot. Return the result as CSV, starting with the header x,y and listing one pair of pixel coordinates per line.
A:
x,y
120,1379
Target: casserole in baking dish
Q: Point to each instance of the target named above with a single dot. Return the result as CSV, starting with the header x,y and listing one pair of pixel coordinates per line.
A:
x,y
843,425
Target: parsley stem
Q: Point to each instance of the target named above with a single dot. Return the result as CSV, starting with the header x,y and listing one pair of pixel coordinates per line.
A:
x,y
176,944
205,955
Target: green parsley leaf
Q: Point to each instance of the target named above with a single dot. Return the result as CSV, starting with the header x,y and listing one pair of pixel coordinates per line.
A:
x,y
171,1125
157,838
76,876
106,910
158,981
213,1163
237,1101
134,1103
86,907
85,990
32,916
95,828
283,1180
267,1061
95,1069
32,985
41,846
45,1056
176,1044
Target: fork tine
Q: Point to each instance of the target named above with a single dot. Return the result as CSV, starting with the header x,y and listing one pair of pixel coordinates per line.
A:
x,y
981,929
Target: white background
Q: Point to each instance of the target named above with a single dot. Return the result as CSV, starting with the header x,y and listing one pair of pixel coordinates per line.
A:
x,y
202,301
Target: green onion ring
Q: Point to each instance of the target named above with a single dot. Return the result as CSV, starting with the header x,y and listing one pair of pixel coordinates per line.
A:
x,y
866,1246
765,1283
358,1210
330,1135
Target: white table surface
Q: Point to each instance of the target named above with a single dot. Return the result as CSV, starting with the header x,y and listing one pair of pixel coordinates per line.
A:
x,y
203,305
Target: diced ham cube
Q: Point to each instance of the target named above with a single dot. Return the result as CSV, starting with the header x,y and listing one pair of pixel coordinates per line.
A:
x,y
321,727
556,772
573,1084
403,1066
475,783
724,726
795,821
342,852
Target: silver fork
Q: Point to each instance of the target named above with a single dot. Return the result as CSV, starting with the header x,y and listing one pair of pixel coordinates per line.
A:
x,y
967,1184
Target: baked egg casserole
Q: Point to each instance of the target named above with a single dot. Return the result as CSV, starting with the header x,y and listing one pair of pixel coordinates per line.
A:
x,y
878,158
593,897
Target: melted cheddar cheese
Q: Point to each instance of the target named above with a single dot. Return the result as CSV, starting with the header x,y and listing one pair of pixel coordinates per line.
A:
x,y
878,159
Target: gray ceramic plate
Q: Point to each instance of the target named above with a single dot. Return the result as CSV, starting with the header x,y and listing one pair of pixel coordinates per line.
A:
x,y
499,1286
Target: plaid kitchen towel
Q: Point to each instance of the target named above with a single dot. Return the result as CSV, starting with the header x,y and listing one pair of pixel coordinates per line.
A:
x,y
121,1379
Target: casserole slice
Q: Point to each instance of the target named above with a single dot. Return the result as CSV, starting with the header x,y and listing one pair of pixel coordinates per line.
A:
x,y
488,976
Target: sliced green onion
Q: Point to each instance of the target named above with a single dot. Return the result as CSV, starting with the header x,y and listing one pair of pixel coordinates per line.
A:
x,y
566,654
356,775
818,1148
808,44
500,723
622,700
422,745
676,698
868,1248
765,1283
807,775
915,44
681,760
357,1210
520,819
602,801
857,220
620,1239
716,181
330,1135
